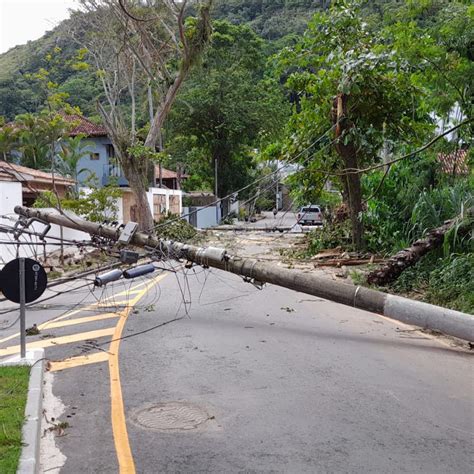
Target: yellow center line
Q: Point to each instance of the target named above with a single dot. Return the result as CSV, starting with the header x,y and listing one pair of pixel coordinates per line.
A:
x,y
132,290
78,361
58,341
119,426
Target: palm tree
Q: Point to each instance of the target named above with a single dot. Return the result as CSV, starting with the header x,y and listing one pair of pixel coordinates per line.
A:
x,y
72,150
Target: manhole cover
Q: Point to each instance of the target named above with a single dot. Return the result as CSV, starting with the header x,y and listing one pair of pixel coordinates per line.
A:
x,y
171,416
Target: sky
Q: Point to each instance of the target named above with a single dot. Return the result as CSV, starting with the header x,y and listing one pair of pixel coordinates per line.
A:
x,y
25,20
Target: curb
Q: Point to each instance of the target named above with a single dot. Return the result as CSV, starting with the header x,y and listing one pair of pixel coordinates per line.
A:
x,y
31,431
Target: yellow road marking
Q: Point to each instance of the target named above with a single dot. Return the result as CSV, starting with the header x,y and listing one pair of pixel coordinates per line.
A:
x,y
57,341
79,361
132,290
86,319
45,324
59,318
88,307
119,426
125,303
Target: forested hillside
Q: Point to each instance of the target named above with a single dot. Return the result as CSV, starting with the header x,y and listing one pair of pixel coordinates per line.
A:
x,y
270,19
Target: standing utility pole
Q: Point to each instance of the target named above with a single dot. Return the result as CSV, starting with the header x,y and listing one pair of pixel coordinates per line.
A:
x,y
216,191
428,316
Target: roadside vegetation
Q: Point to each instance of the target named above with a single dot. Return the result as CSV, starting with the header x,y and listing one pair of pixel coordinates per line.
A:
x,y
13,394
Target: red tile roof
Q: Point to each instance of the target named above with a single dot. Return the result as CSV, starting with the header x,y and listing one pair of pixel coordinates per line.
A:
x,y
454,163
13,172
84,126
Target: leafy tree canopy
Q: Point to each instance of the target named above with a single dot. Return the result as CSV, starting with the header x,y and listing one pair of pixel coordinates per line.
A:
x,y
227,108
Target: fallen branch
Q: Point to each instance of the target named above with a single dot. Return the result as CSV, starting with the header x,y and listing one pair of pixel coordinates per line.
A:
x,y
338,262
407,257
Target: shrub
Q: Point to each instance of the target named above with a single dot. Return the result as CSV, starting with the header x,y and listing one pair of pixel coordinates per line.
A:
x,y
173,228
451,284
445,281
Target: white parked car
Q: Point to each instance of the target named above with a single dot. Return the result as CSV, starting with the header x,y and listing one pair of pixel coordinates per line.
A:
x,y
310,215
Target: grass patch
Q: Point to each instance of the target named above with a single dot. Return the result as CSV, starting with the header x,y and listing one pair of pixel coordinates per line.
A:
x,y
13,393
444,281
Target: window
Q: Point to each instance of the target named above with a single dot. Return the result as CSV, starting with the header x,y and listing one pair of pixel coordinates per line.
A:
x,y
95,156
110,151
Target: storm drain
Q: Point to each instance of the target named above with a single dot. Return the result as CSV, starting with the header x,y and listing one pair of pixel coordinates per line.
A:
x,y
172,416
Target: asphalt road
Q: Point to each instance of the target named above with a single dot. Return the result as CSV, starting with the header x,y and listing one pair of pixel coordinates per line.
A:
x,y
249,381
285,220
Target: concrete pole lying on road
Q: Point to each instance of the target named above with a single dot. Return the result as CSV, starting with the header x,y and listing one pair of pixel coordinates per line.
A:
x,y
426,316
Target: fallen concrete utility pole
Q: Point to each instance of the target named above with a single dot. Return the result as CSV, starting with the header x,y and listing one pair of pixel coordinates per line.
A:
x,y
243,228
453,323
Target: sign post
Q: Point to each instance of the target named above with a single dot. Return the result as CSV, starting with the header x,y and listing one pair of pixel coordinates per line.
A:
x,y
23,281
22,307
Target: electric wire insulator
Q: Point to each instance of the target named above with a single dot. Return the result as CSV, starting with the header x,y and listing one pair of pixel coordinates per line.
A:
x,y
101,280
139,271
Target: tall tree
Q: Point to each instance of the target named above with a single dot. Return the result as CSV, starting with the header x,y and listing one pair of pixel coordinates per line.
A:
x,y
142,53
38,136
349,81
229,107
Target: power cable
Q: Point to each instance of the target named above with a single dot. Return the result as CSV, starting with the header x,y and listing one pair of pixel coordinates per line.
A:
x,y
217,201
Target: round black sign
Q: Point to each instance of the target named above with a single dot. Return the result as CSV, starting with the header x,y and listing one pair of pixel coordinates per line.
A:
x,y
35,280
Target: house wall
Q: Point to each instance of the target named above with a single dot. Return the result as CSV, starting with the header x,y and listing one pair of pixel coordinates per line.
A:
x,y
11,195
94,145
172,199
161,202
201,217
128,203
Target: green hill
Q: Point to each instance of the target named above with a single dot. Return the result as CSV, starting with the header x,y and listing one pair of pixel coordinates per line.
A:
x,y
271,19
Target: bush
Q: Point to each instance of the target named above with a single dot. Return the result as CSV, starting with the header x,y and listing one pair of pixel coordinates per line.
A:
x,y
96,205
445,281
451,284
173,228
414,198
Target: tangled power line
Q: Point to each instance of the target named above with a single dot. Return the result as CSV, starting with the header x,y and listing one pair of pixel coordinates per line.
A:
x,y
35,242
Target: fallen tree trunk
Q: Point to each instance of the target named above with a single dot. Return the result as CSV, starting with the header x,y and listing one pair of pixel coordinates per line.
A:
x,y
407,257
